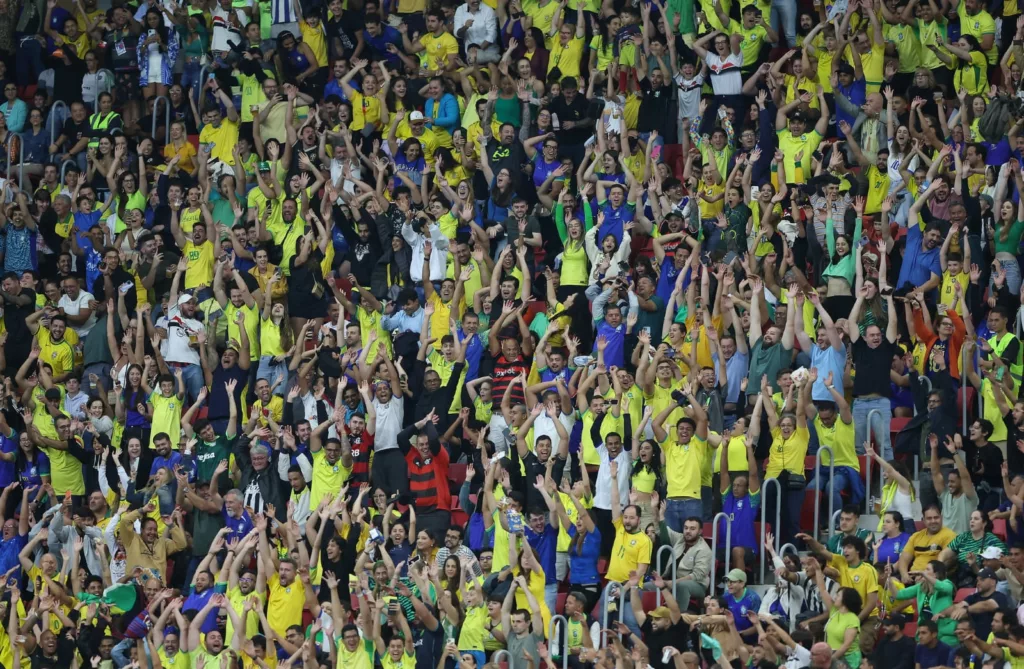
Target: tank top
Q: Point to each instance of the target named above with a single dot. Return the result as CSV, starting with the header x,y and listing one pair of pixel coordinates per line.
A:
x,y
270,338
297,60
574,265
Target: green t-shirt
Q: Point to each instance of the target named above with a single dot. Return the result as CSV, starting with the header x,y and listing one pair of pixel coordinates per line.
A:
x,y
209,455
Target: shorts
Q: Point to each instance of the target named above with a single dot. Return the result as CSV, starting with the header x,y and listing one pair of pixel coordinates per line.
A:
x,y
126,85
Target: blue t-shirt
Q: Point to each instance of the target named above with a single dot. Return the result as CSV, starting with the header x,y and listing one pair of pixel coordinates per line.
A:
x,y
20,249
9,549
918,264
750,601
614,219
8,444
926,658
31,474
239,526
616,337
743,513
544,545
542,168
196,601
889,548
583,564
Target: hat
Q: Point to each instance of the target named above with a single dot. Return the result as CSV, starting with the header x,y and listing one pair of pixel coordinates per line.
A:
x,y
895,619
736,575
263,166
417,116
660,612
52,394
185,299
798,116
992,553
987,573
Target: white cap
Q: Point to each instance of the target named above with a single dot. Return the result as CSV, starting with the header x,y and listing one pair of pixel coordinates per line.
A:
x,y
417,116
992,553
185,299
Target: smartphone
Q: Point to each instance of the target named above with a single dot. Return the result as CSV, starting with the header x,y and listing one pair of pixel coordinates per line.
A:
x,y
211,77
125,287
729,258
863,241
151,32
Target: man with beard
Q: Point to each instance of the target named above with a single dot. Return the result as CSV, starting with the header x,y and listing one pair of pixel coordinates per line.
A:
x,y
894,650
233,366
389,469
872,357
333,461
631,550
663,627
364,248
921,268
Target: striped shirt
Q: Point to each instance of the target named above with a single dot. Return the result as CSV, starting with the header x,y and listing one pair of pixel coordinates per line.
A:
x,y
965,544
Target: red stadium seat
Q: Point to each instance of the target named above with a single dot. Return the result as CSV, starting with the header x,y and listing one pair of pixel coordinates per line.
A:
x,y
918,525
560,602
896,424
999,528
910,629
602,566
650,600
457,473
963,593
460,518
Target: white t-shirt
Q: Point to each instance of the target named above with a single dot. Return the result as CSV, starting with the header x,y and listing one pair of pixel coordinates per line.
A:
x,y
75,307
389,423
799,658
176,347
223,30
689,95
726,78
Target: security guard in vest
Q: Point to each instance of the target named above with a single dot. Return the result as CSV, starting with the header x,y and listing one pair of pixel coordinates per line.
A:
x,y
104,121
1004,345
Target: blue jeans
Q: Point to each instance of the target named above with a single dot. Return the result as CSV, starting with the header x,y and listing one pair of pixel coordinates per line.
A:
x,y
784,12
551,597
626,616
678,510
789,516
30,61
1013,279
192,375
862,406
271,370
839,485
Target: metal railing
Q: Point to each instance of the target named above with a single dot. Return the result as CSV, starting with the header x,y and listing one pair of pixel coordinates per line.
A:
x,y
203,72
832,525
714,547
926,380
167,118
564,641
831,485
64,167
963,391
497,655
658,566
604,611
53,126
868,461
764,515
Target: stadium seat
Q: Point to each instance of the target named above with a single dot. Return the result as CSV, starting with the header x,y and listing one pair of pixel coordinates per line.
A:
x,y
999,528
457,473
910,629
460,517
963,593
896,424
602,566
560,603
650,600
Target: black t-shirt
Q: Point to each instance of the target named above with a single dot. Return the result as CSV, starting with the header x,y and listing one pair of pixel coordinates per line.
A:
x,y
18,334
120,276
510,157
872,365
162,279
988,462
576,111
75,131
428,644
1014,458
895,654
983,621
675,636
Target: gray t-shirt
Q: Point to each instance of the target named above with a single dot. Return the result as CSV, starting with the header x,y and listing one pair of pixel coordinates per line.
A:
x,y
516,646
956,511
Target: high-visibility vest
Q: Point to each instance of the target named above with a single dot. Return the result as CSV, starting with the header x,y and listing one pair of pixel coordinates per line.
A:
x,y
97,122
999,345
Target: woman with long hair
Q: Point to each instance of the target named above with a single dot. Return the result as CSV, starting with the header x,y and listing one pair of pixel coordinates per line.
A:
x,y
136,460
306,288
31,464
37,141
933,592
129,402
646,478
181,148
893,541
897,493
99,161
276,337
157,52
584,539
1009,229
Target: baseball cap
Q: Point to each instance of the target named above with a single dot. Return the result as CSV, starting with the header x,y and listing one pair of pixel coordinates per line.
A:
x,y
417,116
736,575
895,619
660,612
987,573
185,299
798,116
992,553
263,166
